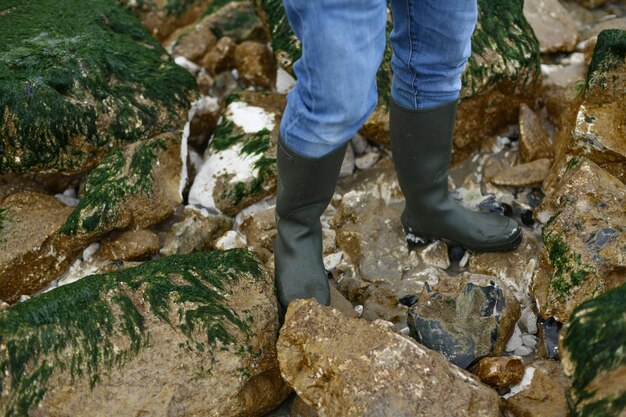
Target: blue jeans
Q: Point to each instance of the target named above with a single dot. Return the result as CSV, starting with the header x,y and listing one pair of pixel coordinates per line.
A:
x,y
343,42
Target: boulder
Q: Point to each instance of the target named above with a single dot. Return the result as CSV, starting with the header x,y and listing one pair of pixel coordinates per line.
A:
x,y
501,371
77,81
554,27
150,340
541,393
502,72
239,166
130,245
592,353
464,319
598,131
584,238
255,64
133,187
348,367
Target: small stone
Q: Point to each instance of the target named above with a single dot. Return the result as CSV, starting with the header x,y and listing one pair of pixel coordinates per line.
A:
x,y
205,82
347,166
221,57
522,351
130,245
527,217
255,64
192,42
464,260
529,341
456,253
284,81
230,240
367,161
359,143
331,261
359,310
523,175
515,341
90,251
528,321
500,371
436,254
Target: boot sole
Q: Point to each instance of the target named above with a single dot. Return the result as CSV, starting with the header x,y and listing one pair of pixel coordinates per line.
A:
x,y
422,239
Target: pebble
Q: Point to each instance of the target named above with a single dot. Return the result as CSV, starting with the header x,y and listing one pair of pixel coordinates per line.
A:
x,y
528,321
408,300
231,240
464,260
359,144
522,351
515,341
347,166
359,310
90,251
331,261
367,161
529,341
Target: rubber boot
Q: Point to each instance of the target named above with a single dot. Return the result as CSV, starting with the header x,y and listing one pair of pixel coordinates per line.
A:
x,y
421,144
305,188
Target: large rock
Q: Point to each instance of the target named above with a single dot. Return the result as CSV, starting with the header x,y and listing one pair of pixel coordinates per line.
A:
x,y
185,335
584,238
135,186
502,72
592,352
464,319
239,166
554,27
348,367
76,81
598,131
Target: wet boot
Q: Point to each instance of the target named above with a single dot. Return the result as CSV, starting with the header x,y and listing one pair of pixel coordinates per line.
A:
x,y
421,143
305,188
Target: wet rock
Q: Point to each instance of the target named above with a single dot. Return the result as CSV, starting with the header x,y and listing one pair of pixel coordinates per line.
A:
x,y
221,57
238,20
299,408
502,72
523,175
600,121
464,319
553,26
542,392
81,81
548,331
205,114
130,245
195,232
193,41
358,369
514,268
239,163
255,64
436,254
534,139
17,184
260,231
593,355
127,342
584,237
500,371
29,222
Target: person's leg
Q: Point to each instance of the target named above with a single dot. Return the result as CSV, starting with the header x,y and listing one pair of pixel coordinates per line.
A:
x,y
343,43
432,42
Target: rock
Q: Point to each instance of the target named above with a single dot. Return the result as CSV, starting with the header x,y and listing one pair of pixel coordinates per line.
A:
x,y
255,64
590,4
542,392
260,231
553,26
522,350
502,72
515,341
380,181
205,114
523,175
592,353
81,81
299,408
514,268
367,160
347,165
500,371
238,20
221,57
528,320
240,162
600,122
18,183
529,341
548,332
464,319
152,339
347,367
583,253
29,222
231,240
129,245
534,139
436,254
192,41
195,232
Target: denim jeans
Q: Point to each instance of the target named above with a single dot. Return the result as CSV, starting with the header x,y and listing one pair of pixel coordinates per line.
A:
x,y
343,42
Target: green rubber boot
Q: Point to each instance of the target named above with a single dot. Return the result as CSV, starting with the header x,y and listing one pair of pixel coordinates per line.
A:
x,y
421,144
305,187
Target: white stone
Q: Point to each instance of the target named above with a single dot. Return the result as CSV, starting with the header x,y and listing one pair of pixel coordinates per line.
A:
x,y
284,81
367,161
522,351
231,240
515,341
529,341
360,144
331,261
465,259
250,119
90,251
187,64
529,373
347,166
359,310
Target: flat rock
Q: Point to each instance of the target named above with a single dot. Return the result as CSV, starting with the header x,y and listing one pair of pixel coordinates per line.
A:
x,y
553,26
523,175
152,339
583,254
130,245
501,371
195,232
348,367
592,353
534,139
239,166
81,80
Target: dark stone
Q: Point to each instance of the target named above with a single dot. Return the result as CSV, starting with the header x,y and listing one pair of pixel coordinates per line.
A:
x,y
408,300
455,253
534,197
527,217
549,336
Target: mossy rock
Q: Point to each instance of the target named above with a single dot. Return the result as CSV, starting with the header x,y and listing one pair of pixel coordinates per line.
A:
x,y
75,81
148,339
593,355
239,167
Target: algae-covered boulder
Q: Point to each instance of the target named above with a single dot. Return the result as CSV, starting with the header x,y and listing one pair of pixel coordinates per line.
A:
x,y
600,125
75,81
502,72
184,335
584,240
239,166
593,355
135,186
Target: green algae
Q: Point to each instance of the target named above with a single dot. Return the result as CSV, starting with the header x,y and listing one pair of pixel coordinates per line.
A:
x,y
223,137
285,44
75,79
116,178
595,340
72,329
608,54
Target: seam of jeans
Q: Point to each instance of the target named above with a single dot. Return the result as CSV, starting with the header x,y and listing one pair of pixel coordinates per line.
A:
x,y
309,87
410,30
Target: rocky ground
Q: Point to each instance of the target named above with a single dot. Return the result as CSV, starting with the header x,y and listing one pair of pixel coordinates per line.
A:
x,y
137,223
